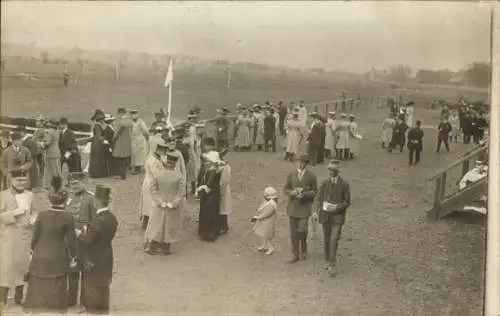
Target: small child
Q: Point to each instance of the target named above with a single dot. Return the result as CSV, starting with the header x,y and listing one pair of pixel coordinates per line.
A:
x,y
265,220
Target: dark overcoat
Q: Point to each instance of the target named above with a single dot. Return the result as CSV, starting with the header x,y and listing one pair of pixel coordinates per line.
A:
x,y
301,208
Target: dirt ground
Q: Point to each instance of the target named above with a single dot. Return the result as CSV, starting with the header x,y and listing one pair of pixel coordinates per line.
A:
x,y
392,259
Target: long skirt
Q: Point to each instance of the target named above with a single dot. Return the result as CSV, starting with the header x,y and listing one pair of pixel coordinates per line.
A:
x,y
98,165
48,295
52,169
208,224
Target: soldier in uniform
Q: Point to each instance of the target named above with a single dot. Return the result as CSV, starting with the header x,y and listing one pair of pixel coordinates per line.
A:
x,y
81,205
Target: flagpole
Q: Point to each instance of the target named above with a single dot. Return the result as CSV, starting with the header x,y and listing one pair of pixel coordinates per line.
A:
x,y
169,109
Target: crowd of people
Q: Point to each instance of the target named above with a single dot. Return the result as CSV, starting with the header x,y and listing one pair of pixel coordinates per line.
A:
x,y
67,249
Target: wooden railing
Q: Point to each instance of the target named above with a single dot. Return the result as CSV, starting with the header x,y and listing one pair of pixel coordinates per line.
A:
x,y
446,180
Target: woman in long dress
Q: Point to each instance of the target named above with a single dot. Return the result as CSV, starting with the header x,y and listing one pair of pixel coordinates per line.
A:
x,y
152,168
210,198
167,190
294,137
243,139
343,137
387,126
53,247
354,137
97,163
330,138
259,129
226,207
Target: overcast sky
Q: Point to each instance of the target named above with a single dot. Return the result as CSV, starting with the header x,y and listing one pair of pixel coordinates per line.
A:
x,y
335,35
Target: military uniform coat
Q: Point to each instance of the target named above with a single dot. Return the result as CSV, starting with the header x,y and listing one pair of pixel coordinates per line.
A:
x,y
140,146
15,237
152,169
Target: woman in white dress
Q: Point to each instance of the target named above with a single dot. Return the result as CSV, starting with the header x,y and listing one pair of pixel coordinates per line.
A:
x,y
294,137
387,127
342,132
354,137
330,138
455,126
243,139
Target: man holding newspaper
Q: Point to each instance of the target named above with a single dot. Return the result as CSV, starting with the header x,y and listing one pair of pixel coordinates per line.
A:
x,y
330,207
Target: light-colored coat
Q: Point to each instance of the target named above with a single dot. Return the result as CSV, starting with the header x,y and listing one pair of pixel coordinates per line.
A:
x,y
226,207
259,135
165,224
387,127
152,169
409,116
353,137
330,136
343,135
14,237
180,167
123,138
294,136
266,220
140,146
52,157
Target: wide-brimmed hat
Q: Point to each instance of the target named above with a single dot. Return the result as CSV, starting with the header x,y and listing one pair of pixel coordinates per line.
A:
x,y
98,115
343,115
333,164
108,117
314,114
332,113
270,193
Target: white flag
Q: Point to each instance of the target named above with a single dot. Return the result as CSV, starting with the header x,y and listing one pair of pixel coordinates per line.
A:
x,y
170,76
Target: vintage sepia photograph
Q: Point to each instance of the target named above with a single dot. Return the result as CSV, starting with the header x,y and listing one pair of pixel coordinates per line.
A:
x,y
249,158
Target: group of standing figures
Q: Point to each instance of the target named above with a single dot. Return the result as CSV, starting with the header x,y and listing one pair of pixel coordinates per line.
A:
x,y
258,127
56,251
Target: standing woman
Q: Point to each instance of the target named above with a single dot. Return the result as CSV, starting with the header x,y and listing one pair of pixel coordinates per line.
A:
x,y
354,137
387,126
167,189
97,163
243,140
53,247
109,134
293,137
343,137
210,198
226,207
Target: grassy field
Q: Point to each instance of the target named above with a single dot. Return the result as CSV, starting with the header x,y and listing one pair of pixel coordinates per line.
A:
x,y
392,260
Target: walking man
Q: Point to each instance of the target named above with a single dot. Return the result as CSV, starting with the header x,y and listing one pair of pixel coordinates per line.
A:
x,y
444,130
300,187
330,205
98,265
69,148
415,142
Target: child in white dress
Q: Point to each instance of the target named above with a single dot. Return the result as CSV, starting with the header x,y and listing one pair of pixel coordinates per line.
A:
x,y
265,220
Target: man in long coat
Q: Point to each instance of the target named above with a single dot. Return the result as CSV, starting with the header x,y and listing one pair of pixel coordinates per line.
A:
x,y
98,265
222,129
283,112
122,150
300,187
167,190
15,218
52,154
28,142
415,143
330,206
140,145
316,138
81,205
269,131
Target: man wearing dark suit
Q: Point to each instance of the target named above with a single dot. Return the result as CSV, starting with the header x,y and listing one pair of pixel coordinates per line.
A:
x,y
81,206
444,130
316,139
269,131
330,205
398,135
98,265
467,127
415,142
300,187
122,150
69,148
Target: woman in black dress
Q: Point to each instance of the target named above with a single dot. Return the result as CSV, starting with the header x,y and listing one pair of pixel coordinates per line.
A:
x,y
210,195
98,164
53,251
